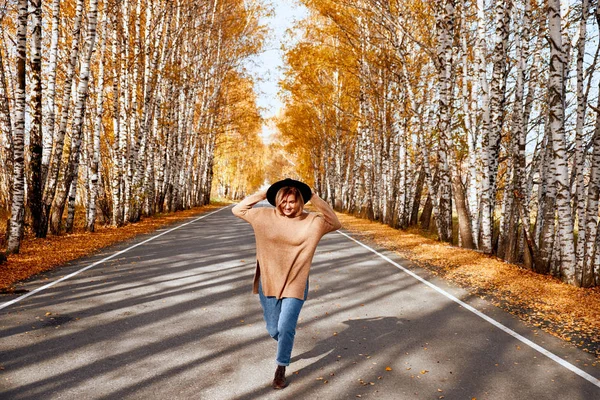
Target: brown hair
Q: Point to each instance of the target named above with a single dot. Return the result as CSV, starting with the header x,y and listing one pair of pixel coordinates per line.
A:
x,y
284,192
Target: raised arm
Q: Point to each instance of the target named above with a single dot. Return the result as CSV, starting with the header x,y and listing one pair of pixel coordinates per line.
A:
x,y
242,209
328,214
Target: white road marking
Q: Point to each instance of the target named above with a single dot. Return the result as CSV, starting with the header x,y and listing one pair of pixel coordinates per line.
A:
x,y
492,321
13,301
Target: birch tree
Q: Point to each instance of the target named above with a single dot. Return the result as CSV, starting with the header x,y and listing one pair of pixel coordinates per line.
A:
x,y
494,133
57,152
579,159
78,120
556,123
6,139
18,195
50,116
94,143
445,26
34,184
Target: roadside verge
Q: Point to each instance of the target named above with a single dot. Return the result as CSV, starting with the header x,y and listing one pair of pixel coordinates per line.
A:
x,y
543,302
40,255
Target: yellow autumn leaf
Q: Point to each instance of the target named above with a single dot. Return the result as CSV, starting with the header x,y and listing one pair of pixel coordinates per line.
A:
x,y
388,368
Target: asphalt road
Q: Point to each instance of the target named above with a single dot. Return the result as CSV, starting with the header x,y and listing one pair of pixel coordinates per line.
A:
x,y
174,318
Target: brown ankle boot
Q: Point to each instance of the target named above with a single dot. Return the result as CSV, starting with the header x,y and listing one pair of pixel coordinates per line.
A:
x,y
279,380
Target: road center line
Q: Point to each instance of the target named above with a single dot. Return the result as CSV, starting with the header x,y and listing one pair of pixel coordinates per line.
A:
x,y
16,300
481,315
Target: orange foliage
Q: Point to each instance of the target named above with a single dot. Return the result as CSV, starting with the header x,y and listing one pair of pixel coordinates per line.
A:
x,y
239,153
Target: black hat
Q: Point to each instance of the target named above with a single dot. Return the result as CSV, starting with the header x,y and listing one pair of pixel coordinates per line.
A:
x,y
301,186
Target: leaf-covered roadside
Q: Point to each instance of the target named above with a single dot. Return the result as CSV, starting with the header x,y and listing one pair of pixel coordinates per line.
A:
x,y
39,255
565,311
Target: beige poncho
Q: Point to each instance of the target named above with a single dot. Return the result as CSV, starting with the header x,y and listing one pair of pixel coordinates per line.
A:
x,y
285,246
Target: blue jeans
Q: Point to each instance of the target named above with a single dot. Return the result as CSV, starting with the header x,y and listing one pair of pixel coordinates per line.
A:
x,y
281,317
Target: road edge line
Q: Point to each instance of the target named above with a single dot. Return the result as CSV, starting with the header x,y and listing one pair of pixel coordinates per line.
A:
x,y
64,278
590,378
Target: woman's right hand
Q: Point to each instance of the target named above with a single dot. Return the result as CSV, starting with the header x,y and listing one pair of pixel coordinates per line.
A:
x,y
262,194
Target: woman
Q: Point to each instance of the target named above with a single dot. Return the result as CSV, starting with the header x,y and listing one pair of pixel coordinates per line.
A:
x,y
286,240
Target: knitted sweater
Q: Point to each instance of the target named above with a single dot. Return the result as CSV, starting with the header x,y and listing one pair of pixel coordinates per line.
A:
x,y
285,246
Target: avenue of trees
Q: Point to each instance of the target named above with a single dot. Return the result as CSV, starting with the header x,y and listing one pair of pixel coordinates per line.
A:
x,y
122,108
477,118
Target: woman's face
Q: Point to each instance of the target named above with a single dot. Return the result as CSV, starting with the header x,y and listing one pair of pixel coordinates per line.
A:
x,y
288,205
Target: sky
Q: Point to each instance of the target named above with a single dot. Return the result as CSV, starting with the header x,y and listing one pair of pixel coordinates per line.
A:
x,y
267,67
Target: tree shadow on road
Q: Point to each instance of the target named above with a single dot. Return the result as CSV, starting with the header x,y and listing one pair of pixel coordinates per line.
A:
x,y
402,326
366,337
444,352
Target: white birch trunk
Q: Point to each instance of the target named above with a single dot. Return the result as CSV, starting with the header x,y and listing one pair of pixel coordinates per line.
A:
x,y
509,233
127,87
134,205
493,135
445,32
470,85
150,80
590,266
72,196
556,112
480,195
578,161
18,198
6,126
34,183
534,82
149,178
51,90
546,203
117,170
94,148
78,119
56,158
